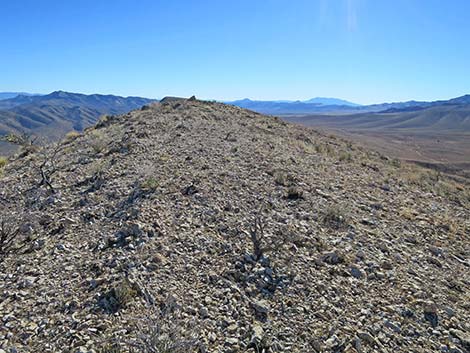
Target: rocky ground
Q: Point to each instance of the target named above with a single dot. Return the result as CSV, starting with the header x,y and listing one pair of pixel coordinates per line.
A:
x,y
191,226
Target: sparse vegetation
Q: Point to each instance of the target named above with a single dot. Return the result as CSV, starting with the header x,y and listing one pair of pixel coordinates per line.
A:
x,y
345,157
256,237
23,139
294,193
150,183
3,163
97,141
12,239
335,217
49,166
72,135
217,269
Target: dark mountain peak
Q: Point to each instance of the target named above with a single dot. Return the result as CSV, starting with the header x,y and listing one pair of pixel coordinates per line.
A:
x,y
61,94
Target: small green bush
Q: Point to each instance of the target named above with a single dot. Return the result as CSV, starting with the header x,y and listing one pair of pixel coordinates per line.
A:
x,y
151,183
3,162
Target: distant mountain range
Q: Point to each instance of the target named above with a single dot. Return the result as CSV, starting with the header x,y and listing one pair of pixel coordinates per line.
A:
x,y
55,114
8,95
435,117
337,106
286,107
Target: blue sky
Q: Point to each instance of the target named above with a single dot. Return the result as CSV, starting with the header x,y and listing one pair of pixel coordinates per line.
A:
x,y
366,51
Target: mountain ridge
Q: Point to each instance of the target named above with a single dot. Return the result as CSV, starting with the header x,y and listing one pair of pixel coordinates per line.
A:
x,y
216,229
315,106
59,112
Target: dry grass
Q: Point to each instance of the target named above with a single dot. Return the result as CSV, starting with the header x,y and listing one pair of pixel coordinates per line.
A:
x,y
97,141
72,135
3,163
345,156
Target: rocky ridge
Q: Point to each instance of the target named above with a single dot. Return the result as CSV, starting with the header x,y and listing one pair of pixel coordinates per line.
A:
x,y
197,226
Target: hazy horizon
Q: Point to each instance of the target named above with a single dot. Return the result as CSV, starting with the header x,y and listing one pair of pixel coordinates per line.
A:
x,y
229,100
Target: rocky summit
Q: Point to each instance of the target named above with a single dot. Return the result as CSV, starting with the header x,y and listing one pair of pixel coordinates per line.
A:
x,y
190,226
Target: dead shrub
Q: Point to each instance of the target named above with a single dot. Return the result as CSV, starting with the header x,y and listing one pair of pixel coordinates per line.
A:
x,y
336,217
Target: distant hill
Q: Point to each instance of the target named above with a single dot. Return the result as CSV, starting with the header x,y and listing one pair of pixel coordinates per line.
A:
x,y
337,106
294,107
55,114
8,95
331,101
442,116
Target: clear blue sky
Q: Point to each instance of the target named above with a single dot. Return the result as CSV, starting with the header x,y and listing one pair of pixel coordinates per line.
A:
x,y
365,51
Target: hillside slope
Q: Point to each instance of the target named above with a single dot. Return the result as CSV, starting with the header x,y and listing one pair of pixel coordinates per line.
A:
x,y
204,227
454,117
438,136
53,115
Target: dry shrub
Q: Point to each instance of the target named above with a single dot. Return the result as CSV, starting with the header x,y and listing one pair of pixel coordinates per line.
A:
x,y
97,141
345,157
156,329
3,163
72,135
336,217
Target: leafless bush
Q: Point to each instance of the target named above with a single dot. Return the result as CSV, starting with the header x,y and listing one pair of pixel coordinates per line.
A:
x,y
48,167
261,243
12,239
158,328
257,236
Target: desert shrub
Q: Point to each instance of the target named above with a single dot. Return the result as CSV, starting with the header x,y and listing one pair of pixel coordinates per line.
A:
x,y
325,149
117,297
3,163
97,141
13,240
345,157
335,217
104,120
156,329
280,178
150,183
72,135
294,193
